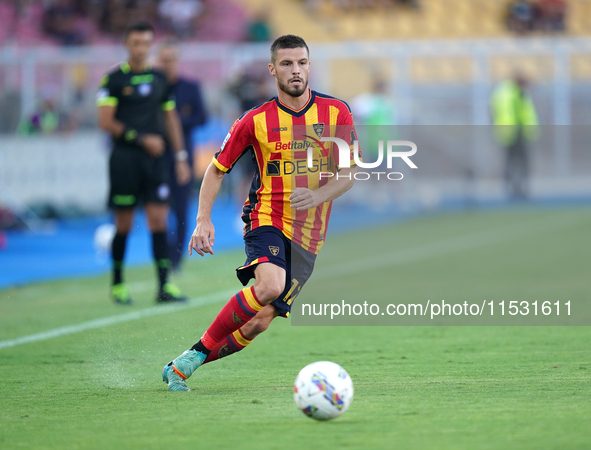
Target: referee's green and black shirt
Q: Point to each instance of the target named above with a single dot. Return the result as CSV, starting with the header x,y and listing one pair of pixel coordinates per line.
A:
x,y
140,98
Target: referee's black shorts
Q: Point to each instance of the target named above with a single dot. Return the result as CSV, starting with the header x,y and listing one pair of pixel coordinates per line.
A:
x,y
136,177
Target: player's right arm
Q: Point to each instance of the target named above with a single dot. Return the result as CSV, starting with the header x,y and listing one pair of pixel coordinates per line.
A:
x,y
107,101
203,237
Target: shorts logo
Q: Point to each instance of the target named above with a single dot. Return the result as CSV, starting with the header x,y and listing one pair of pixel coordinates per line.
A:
x,y
145,89
318,129
163,191
235,318
274,250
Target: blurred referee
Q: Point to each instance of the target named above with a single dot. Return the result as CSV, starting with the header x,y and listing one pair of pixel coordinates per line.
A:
x,y
136,106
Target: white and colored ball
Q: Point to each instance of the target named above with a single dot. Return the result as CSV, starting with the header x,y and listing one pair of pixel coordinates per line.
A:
x,y
103,237
323,390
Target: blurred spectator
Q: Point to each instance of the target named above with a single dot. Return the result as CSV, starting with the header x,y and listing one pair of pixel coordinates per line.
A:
x,y
7,19
61,22
259,29
313,6
191,109
180,16
545,15
375,116
48,118
516,126
115,17
553,13
412,3
251,88
45,120
520,17
76,22
374,107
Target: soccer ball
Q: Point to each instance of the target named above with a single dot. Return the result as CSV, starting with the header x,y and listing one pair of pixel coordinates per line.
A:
x,y
103,237
323,390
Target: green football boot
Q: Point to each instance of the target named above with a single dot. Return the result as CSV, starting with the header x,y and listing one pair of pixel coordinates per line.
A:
x,y
179,369
120,294
170,294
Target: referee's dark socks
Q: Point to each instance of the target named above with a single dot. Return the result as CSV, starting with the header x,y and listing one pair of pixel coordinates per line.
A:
x,y
118,252
160,248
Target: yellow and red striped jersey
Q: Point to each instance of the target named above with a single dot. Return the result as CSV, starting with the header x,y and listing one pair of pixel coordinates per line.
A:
x,y
277,138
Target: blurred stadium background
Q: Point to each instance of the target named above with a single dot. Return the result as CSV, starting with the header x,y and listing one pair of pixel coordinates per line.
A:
x,y
78,371
436,63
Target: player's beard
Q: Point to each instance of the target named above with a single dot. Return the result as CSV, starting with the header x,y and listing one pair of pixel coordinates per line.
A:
x,y
294,91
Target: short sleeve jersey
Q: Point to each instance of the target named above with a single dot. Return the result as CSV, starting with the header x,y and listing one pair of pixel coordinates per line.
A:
x,y
140,98
277,138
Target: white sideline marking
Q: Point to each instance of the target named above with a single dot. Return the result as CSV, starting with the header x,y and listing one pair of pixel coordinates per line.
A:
x,y
120,318
413,254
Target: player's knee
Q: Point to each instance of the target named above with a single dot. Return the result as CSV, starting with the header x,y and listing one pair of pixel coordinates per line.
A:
x,y
123,229
276,289
123,221
269,290
157,224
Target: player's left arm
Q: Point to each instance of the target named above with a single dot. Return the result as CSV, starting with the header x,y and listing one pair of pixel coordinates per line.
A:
x,y
304,198
175,136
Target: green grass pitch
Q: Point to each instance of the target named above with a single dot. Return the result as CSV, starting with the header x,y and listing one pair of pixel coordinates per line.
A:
x,y
415,387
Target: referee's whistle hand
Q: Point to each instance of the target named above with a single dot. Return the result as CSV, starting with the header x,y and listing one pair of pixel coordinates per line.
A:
x,y
153,144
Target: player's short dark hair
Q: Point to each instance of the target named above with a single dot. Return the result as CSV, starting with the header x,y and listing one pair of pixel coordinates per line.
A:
x,y
287,41
139,27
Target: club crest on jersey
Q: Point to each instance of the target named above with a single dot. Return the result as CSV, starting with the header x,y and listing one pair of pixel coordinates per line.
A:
x,y
318,129
127,90
274,250
144,89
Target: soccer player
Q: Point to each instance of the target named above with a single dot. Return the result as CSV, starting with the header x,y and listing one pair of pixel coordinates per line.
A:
x,y
286,212
136,106
191,109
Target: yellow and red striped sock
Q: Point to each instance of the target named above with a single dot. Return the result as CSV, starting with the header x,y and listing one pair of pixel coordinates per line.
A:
x,y
229,345
240,309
